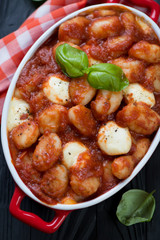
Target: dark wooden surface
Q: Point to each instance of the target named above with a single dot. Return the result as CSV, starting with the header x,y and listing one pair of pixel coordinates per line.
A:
x,y
95,223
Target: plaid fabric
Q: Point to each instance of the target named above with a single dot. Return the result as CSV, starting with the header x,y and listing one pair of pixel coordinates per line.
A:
x,y
14,46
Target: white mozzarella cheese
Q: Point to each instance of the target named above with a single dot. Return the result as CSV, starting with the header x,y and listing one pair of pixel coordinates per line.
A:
x,y
114,140
57,90
71,153
17,108
137,93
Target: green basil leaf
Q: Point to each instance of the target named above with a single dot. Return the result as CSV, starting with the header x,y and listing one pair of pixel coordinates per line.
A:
x,y
107,76
136,206
72,61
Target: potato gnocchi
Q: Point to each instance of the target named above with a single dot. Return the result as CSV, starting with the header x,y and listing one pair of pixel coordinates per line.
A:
x,y
69,141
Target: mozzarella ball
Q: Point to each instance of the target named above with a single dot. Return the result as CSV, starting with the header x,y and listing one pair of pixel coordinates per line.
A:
x,y
142,146
56,90
80,91
139,118
18,113
105,27
122,167
84,187
53,119
71,152
137,93
133,69
152,75
82,118
106,103
117,46
55,181
114,140
25,134
47,152
73,30
145,51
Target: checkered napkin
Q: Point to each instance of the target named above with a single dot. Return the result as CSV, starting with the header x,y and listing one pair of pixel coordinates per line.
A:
x,y
14,46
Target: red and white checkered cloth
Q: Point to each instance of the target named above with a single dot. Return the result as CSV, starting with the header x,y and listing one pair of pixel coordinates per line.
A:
x,y
14,46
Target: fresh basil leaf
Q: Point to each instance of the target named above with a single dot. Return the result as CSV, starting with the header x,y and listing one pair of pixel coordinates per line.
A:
x,y
72,61
107,76
136,206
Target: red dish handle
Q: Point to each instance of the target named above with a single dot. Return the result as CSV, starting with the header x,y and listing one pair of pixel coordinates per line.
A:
x,y
152,5
32,219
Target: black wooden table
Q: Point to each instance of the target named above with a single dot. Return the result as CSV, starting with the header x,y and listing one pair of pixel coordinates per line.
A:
x,y
97,222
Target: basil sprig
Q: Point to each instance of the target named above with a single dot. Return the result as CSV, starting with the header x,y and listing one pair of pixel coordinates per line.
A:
x,y
136,206
74,63
107,76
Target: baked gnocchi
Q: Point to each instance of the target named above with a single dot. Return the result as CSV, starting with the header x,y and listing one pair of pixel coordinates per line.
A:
x,y
71,142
